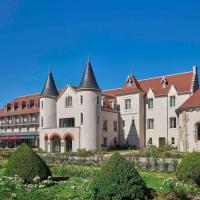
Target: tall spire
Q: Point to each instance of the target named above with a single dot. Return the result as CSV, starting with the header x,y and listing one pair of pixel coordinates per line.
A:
x,y
88,80
49,89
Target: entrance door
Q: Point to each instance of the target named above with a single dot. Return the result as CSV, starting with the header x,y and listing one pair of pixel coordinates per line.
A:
x,y
162,142
68,144
56,145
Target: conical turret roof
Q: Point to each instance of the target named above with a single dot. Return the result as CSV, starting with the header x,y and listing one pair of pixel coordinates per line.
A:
x,y
50,89
88,80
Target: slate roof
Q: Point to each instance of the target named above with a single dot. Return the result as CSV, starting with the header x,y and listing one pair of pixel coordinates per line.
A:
x,y
88,80
49,89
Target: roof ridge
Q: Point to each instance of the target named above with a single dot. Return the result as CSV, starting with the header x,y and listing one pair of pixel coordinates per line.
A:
x,y
165,75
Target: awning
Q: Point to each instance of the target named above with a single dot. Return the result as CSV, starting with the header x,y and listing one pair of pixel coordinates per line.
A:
x,y
10,138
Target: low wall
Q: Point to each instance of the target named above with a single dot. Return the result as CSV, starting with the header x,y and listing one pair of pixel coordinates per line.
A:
x,y
154,164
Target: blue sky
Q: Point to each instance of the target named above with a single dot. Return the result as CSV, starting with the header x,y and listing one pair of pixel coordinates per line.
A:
x,y
147,38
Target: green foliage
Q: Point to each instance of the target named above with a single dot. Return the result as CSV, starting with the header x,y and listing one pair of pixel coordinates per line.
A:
x,y
119,180
14,188
172,195
26,164
189,168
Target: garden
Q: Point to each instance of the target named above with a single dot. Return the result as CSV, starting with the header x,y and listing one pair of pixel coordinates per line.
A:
x,y
145,174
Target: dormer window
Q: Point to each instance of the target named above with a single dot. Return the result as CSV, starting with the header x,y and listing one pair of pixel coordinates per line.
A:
x,y
12,108
19,107
28,106
36,104
164,82
129,81
6,109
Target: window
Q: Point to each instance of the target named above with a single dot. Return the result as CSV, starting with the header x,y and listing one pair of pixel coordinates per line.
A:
x,y
150,142
172,101
173,140
105,125
123,123
13,108
198,131
115,125
115,141
66,122
172,122
42,104
127,104
97,100
42,121
105,142
150,123
81,99
81,116
19,107
27,106
150,103
133,123
68,101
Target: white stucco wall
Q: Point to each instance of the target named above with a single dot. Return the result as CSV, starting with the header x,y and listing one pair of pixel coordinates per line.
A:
x,y
110,134
161,113
131,134
188,130
75,132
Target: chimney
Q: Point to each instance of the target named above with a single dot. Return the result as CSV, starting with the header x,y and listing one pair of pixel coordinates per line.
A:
x,y
194,69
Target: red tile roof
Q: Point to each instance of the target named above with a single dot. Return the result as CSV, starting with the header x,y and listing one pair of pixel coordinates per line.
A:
x,y
182,82
22,100
192,102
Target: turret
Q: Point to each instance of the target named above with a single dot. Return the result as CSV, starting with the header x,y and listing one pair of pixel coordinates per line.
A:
x,y
90,106
48,98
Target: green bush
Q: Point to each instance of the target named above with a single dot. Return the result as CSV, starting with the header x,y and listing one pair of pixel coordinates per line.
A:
x,y
119,180
189,168
172,195
26,164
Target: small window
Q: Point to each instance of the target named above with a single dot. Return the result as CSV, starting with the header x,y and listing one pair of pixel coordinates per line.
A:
x,y
42,104
172,101
105,124
123,123
172,122
68,101
42,122
27,106
173,140
150,142
81,99
19,107
198,131
115,125
150,103
127,104
81,118
150,123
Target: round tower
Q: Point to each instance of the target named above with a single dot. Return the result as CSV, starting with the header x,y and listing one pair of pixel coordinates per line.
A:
x,y
48,98
90,107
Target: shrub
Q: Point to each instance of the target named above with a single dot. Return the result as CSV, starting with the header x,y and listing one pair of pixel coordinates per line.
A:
x,y
189,168
118,180
26,164
172,195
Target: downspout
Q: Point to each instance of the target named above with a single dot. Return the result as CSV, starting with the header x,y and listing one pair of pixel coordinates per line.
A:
x,y
167,118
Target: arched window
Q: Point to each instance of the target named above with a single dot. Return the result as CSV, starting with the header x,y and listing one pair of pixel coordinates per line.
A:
x,y
81,120
68,101
198,131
